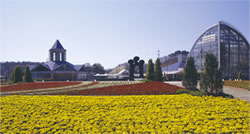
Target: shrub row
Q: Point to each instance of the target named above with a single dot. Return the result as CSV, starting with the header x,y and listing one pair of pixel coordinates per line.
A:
x,y
194,93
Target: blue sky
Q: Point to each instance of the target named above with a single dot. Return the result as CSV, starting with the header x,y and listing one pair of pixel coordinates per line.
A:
x,y
110,31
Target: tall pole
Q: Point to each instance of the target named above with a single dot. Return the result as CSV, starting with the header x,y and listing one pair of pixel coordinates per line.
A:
x,y
167,71
201,59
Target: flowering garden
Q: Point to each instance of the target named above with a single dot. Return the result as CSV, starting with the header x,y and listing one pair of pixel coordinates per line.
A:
x,y
147,88
130,114
91,88
36,85
137,107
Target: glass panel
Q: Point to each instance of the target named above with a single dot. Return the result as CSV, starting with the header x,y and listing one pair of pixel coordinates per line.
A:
x,y
207,43
234,50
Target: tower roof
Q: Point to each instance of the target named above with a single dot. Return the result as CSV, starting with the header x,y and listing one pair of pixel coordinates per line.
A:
x,y
57,45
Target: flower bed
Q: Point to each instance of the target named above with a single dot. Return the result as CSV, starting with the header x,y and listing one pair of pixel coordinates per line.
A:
x,y
48,91
90,85
128,114
66,88
103,84
36,85
146,88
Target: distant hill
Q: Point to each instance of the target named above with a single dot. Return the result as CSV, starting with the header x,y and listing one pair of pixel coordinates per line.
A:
x,y
119,68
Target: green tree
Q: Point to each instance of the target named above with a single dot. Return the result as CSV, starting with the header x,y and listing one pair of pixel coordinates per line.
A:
x,y
190,76
211,79
27,75
158,71
13,76
17,75
150,70
239,76
97,68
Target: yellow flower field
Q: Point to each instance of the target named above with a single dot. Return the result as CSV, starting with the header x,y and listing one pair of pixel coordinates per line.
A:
x,y
116,114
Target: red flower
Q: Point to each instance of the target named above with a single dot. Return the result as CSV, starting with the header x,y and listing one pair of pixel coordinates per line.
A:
x,y
35,85
147,88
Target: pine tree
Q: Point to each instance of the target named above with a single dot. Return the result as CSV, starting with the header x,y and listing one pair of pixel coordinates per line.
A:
x,y
27,75
190,76
158,71
211,79
17,75
150,70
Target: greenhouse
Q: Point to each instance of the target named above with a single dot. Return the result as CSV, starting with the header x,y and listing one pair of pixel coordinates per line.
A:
x,y
230,47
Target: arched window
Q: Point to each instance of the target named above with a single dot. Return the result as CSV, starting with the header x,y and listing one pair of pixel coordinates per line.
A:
x,y
54,56
60,57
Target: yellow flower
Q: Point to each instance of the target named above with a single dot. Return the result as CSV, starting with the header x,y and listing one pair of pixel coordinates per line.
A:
x,y
123,114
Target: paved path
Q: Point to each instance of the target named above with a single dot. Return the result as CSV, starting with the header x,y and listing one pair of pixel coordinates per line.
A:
x,y
239,93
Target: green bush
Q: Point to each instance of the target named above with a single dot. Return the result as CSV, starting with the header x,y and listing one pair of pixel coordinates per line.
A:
x,y
27,75
194,93
197,93
158,71
190,76
17,75
150,70
222,94
211,79
182,91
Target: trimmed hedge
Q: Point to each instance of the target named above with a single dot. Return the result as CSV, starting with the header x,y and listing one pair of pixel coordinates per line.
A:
x,y
197,93
182,91
194,93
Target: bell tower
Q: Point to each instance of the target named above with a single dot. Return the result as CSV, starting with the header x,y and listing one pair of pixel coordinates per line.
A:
x,y
57,53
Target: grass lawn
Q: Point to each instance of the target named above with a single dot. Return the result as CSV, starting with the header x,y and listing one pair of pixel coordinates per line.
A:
x,y
240,84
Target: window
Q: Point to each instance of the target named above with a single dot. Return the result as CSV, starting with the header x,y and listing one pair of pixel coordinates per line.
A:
x,y
60,57
54,56
234,48
82,76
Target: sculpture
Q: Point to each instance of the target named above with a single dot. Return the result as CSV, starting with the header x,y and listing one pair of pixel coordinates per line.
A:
x,y
133,63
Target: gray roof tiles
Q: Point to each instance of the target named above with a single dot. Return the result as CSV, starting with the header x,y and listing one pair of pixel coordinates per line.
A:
x,y
78,67
32,66
51,65
57,45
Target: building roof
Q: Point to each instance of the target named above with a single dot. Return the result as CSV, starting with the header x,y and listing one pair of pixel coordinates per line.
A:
x,y
54,65
78,67
57,45
218,24
51,65
32,66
